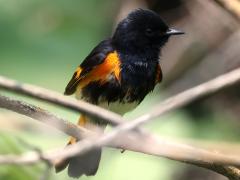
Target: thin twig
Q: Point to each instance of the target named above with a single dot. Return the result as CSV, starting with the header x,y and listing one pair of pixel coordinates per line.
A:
x,y
60,100
41,115
233,6
170,104
137,144
147,144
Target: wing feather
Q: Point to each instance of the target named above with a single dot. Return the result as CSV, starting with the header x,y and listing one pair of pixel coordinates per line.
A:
x,y
90,65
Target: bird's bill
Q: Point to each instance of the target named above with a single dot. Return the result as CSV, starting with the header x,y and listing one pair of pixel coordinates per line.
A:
x,y
171,31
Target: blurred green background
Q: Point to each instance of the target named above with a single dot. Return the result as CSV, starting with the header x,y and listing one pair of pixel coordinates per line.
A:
x,y
42,42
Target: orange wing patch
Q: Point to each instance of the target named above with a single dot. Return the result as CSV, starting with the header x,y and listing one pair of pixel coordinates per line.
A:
x,y
101,72
111,65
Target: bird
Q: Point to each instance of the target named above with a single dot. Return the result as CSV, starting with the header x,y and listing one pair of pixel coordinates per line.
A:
x,y
117,75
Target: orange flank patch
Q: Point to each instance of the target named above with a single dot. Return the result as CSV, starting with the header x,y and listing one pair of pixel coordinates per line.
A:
x,y
111,65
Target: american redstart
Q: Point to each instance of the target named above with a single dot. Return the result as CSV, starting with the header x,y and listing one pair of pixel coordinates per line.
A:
x,y
117,75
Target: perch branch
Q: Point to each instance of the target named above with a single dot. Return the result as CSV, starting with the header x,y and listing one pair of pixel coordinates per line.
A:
x,y
148,144
172,103
60,100
41,115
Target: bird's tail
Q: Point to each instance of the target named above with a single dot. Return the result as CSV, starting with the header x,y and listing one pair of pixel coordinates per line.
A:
x,y
86,163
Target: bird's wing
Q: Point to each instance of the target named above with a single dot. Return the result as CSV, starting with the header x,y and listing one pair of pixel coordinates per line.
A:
x,y
101,62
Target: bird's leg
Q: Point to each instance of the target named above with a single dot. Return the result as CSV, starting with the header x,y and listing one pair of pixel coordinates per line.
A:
x,y
81,122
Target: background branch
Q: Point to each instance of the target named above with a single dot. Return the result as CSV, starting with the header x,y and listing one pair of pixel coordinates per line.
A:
x,y
122,141
41,115
170,104
232,6
148,144
174,102
59,99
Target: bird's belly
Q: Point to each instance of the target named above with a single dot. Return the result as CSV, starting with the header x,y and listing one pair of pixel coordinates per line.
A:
x,y
118,107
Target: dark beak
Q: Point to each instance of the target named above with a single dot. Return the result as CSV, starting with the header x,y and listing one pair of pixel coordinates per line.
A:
x,y
171,31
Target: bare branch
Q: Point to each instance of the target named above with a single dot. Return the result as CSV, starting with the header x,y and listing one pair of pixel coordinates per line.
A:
x,y
146,143
174,151
232,6
60,100
41,115
172,103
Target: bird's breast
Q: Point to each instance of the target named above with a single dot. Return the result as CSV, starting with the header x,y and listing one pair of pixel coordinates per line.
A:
x,y
139,78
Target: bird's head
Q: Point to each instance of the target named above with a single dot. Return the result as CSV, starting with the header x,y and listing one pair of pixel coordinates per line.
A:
x,y
143,29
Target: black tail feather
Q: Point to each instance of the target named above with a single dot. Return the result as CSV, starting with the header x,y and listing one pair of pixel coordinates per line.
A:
x,y
83,164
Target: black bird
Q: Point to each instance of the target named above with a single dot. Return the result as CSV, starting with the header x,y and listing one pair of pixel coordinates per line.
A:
x,y
117,75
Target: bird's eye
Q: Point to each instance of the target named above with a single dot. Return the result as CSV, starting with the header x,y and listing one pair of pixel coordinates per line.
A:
x,y
149,32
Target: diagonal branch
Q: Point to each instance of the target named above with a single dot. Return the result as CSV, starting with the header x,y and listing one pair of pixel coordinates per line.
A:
x,y
232,6
186,97
41,115
147,143
60,100
170,104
